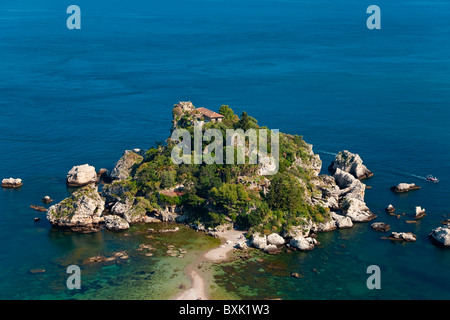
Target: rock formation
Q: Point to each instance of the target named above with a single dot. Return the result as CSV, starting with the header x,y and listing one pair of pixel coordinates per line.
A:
x,y
420,213
275,239
303,244
125,165
403,236
47,200
390,209
380,226
11,183
404,187
81,212
351,163
82,175
115,223
351,197
441,236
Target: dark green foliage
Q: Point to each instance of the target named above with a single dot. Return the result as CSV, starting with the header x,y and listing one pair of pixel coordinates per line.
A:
x,y
212,193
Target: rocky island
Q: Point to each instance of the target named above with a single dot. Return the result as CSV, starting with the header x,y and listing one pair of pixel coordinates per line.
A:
x,y
284,209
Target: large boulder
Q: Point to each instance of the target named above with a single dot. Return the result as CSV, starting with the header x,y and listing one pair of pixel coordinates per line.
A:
x,y
259,242
302,243
82,175
275,239
81,212
351,163
441,236
115,223
124,166
341,221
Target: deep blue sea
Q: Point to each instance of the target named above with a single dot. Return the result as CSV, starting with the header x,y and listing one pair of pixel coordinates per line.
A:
x,y
313,68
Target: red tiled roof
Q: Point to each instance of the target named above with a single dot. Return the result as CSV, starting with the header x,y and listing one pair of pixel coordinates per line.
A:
x,y
172,193
208,113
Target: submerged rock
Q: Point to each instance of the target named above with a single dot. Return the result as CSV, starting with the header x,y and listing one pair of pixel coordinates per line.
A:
x,y
82,175
81,212
351,163
38,208
404,187
12,183
441,236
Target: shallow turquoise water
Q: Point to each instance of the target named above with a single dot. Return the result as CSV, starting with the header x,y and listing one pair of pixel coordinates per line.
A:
x,y
304,67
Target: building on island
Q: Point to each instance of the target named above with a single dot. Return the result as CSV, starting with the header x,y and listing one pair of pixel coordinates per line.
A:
x,y
210,116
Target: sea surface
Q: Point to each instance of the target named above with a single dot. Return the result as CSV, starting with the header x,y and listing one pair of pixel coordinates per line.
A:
x,y
313,68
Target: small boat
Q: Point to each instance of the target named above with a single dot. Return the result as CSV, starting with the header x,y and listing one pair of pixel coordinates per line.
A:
x,y
432,179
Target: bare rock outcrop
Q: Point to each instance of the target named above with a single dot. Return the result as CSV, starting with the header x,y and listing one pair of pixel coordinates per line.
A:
x,y
441,236
115,223
403,236
404,187
351,197
351,163
82,175
11,183
124,166
81,212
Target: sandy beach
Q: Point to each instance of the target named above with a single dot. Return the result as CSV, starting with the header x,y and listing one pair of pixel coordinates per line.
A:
x,y
197,291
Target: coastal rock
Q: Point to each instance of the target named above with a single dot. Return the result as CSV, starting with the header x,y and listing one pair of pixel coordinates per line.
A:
x,y
380,226
325,226
259,242
82,175
311,162
441,236
38,208
351,163
390,209
304,244
11,183
420,213
271,249
47,200
343,179
124,166
115,223
81,212
404,187
402,236
341,221
302,229
357,210
241,245
275,239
